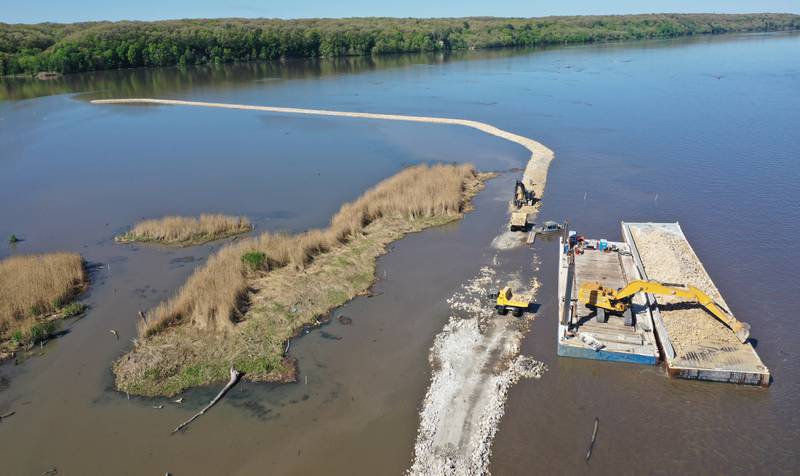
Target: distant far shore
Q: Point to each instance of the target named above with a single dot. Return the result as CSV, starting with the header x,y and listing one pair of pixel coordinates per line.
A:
x,y
58,48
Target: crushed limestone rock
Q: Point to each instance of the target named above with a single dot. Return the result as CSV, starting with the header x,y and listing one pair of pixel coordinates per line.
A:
x,y
668,258
474,367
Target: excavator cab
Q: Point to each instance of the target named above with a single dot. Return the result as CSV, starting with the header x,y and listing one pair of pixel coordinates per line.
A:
x,y
507,293
523,202
522,196
603,301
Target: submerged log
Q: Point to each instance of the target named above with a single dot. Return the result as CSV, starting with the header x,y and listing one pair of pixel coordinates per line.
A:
x,y
235,374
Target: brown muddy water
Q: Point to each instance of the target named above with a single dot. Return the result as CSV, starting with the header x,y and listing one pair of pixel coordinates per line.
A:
x,y
700,131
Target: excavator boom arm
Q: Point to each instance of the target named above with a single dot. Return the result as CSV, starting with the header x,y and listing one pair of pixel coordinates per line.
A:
x,y
654,287
741,329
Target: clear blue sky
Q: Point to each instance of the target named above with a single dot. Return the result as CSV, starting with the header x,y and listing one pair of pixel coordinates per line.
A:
x,y
34,11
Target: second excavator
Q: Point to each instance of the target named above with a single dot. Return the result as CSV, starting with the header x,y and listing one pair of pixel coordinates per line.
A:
x,y
523,202
605,300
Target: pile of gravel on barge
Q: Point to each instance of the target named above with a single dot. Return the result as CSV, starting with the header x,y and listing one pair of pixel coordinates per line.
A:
x,y
694,344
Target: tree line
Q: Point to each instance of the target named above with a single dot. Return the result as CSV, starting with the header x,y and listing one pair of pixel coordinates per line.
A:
x,y
78,47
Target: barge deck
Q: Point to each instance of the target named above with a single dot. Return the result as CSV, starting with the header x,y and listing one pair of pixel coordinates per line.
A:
x,y
579,334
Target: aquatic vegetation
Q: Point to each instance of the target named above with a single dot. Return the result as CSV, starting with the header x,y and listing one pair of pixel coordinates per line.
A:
x,y
174,230
209,298
227,313
72,309
33,332
32,286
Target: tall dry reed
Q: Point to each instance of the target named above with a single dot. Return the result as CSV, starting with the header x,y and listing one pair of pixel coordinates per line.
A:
x,y
212,296
174,229
32,285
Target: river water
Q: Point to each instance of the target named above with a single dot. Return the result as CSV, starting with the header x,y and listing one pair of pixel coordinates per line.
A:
x,y
701,131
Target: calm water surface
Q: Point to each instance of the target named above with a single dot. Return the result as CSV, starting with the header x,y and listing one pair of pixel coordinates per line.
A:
x,y
701,131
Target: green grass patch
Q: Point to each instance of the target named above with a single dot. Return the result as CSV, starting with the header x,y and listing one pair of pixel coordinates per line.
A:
x,y
343,262
72,309
257,365
254,260
337,297
34,334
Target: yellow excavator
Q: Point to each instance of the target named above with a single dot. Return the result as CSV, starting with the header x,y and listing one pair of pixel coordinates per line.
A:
x,y
523,207
523,196
605,300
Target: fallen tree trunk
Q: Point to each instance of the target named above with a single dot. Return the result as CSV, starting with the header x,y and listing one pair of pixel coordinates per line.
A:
x,y
235,374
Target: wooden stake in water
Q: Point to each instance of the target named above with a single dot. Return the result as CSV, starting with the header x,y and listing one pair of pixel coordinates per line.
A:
x,y
594,437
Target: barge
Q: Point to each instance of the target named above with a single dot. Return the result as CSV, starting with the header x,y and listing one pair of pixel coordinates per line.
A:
x,y
579,332
692,343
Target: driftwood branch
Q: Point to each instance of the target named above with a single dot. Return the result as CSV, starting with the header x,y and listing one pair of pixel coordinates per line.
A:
x,y
594,437
235,374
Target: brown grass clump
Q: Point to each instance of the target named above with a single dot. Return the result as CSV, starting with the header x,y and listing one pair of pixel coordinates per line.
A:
x,y
213,296
175,230
32,286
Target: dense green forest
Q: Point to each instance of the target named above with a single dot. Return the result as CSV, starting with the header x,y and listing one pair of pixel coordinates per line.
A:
x,y
70,48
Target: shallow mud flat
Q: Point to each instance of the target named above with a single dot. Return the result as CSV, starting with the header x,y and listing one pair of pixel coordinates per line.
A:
x,y
475,362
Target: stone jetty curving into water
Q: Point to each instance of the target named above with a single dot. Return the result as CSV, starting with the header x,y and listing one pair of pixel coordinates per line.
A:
x,y
453,437
535,171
